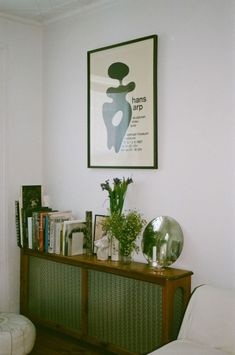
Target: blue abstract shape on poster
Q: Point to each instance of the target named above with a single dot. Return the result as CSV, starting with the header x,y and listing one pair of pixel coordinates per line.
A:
x,y
117,114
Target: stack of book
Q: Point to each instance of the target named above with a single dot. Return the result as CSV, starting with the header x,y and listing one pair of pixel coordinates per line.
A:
x,y
41,228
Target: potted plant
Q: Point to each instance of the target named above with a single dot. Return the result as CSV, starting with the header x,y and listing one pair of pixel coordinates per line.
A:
x,y
123,228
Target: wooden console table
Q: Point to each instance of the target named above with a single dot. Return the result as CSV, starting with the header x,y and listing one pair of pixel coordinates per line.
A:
x,y
127,309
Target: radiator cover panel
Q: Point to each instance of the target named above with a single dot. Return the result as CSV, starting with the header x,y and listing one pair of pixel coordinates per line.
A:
x,y
125,312
122,311
55,292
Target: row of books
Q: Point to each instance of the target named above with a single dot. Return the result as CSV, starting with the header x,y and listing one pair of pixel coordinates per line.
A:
x,y
41,228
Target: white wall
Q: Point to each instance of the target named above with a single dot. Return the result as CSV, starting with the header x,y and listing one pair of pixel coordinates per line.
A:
x,y
21,139
195,180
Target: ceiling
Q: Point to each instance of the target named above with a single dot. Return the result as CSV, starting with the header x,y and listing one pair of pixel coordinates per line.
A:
x,y
43,11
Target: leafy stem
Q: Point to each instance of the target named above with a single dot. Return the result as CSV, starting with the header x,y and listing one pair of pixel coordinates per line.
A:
x,y
116,194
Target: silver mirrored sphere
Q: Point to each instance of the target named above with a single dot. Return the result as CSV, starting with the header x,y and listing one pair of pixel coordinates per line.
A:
x,y
162,241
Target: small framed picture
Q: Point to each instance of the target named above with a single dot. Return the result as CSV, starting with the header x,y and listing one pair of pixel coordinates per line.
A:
x,y
98,230
74,237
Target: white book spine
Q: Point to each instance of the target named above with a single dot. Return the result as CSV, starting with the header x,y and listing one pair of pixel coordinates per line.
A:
x,y
30,233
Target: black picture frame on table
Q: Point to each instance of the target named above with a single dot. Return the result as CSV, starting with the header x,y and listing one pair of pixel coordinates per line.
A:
x,y
98,233
122,105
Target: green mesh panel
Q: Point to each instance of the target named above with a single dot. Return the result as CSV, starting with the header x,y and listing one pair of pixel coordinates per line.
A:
x,y
55,292
125,312
178,311
121,311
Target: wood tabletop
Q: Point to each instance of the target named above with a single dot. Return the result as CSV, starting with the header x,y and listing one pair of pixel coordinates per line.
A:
x,y
137,270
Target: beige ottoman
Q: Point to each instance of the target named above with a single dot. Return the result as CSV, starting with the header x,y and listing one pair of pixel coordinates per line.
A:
x,y
17,334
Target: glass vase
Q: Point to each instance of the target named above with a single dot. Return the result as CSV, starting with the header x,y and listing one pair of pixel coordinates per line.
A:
x,y
125,259
114,249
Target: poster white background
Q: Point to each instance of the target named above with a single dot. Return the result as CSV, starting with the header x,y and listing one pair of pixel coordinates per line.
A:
x,y
138,144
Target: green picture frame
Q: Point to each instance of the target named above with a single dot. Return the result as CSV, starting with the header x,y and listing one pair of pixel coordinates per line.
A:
x,y
122,105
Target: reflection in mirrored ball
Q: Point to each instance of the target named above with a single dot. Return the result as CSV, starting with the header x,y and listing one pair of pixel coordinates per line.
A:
x,y
162,241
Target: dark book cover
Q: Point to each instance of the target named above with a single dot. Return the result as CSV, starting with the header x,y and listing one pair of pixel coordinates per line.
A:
x,y
31,200
31,196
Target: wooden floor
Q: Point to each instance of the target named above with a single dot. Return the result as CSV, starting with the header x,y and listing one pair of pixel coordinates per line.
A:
x,y
49,342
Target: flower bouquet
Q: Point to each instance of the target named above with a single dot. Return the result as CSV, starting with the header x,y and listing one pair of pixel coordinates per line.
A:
x,y
122,227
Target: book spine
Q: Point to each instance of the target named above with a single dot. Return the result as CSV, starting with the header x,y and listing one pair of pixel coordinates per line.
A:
x,y
21,221
51,235
65,239
35,230
88,232
41,236
46,232
57,237
17,221
30,235
24,228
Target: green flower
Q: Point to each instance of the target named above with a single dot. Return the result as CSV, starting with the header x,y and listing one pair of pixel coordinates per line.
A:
x,y
116,194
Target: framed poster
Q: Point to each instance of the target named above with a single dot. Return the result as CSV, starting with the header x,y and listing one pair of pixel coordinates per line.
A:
x,y
122,105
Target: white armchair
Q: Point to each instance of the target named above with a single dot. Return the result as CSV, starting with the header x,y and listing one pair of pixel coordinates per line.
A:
x,y
208,327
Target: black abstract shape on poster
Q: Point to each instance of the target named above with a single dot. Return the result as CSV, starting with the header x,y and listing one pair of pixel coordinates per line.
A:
x,y
119,105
